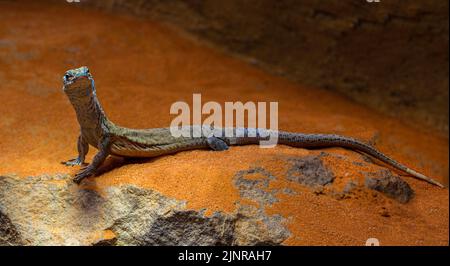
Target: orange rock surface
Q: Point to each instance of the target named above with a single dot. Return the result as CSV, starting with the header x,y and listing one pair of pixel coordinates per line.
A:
x,y
142,67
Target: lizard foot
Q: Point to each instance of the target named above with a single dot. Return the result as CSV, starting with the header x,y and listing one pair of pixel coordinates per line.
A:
x,y
217,144
73,162
84,172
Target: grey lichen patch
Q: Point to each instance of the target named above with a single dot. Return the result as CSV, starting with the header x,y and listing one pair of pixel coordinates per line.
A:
x,y
389,184
309,171
254,184
255,188
289,191
349,187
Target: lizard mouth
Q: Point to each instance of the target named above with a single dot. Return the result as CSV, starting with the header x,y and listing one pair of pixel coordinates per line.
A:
x,y
70,82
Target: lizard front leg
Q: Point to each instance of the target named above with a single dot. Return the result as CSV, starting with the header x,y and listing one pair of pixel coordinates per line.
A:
x,y
99,158
83,148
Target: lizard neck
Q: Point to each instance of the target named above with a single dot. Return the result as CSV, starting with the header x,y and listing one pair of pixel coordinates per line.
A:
x,y
90,114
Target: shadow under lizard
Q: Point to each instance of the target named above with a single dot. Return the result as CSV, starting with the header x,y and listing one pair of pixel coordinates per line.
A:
x,y
98,131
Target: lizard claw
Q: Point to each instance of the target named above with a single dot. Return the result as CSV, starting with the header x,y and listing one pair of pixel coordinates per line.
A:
x,y
73,162
85,172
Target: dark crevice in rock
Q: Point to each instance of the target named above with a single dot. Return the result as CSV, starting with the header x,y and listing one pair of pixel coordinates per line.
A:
x,y
9,236
106,242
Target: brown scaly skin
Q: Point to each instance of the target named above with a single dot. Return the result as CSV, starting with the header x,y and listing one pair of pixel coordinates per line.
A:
x,y
96,130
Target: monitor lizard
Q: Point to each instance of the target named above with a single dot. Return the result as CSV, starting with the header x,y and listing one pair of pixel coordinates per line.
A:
x,y
110,139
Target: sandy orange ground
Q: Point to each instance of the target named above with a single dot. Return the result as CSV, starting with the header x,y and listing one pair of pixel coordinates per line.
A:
x,y
142,67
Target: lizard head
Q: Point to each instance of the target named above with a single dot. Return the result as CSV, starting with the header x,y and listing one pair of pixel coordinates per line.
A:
x,y
78,79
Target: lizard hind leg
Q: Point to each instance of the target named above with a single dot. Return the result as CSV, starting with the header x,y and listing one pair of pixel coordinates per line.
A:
x,y
217,144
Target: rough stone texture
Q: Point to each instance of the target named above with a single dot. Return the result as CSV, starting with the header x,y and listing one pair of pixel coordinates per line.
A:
x,y
190,228
391,56
389,184
8,233
50,210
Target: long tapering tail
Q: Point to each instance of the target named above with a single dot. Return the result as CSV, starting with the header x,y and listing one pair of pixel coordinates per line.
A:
x,y
329,140
324,140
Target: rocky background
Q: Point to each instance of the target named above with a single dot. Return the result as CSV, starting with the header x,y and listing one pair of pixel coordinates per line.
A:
x,y
391,56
